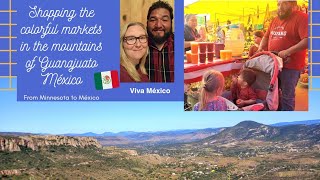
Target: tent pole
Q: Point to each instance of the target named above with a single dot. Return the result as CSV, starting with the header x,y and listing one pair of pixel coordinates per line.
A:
x,y
215,17
243,14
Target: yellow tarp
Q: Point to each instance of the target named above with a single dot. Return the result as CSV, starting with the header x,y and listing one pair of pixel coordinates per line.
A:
x,y
237,11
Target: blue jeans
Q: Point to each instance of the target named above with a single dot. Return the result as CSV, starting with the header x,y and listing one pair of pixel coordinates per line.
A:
x,y
288,82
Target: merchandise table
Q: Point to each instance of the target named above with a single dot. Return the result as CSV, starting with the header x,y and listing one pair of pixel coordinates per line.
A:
x,y
194,72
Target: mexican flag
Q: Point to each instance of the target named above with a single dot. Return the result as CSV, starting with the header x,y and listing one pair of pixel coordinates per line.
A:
x,y
106,80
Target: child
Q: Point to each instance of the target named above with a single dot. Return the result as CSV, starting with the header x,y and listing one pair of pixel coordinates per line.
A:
x,y
210,99
258,35
242,93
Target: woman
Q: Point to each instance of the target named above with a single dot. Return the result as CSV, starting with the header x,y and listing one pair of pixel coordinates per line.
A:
x,y
190,31
258,35
133,53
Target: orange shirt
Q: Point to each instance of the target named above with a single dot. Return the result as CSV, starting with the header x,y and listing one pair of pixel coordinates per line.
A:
x,y
288,32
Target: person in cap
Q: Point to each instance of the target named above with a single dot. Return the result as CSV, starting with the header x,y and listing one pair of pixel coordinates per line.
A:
x,y
288,35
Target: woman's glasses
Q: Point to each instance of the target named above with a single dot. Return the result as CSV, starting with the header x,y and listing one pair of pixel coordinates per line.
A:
x,y
131,40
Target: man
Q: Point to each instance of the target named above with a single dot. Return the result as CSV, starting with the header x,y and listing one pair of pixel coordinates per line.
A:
x,y
160,61
288,35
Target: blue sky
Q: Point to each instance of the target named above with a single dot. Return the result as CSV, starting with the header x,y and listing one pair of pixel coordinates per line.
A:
x,y
99,117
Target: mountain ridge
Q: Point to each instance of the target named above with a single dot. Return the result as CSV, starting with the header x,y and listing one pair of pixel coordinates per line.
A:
x,y
244,130
250,130
128,133
36,142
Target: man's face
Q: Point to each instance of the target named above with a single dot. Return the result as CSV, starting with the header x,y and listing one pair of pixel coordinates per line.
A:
x,y
284,9
159,25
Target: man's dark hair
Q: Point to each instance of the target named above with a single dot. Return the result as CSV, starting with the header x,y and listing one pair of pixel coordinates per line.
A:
x,y
248,75
160,4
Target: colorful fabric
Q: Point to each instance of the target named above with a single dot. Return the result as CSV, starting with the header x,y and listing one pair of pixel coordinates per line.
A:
x,y
193,72
217,105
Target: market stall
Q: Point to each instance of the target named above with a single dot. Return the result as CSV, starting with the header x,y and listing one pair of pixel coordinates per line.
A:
x,y
193,75
229,25
193,72
249,15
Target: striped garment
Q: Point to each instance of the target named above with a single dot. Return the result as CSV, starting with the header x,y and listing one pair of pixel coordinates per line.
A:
x,y
160,64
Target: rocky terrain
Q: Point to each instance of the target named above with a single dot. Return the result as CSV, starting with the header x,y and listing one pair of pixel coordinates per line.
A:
x,y
36,142
250,130
248,150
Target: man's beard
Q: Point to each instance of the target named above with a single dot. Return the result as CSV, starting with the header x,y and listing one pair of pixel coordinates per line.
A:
x,y
159,40
285,15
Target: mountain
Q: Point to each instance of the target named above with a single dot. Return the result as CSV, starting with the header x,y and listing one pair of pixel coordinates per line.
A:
x,y
161,137
250,130
88,134
244,130
91,134
248,150
14,134
308,122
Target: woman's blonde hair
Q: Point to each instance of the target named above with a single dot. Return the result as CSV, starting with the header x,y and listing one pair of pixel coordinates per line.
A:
x,y
125,61
213,85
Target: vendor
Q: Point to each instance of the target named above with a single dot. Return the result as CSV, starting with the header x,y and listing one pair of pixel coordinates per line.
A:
x,y
190,32
221,35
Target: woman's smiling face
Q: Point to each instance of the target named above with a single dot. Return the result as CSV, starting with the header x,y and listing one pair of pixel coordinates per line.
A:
x,y
135,43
